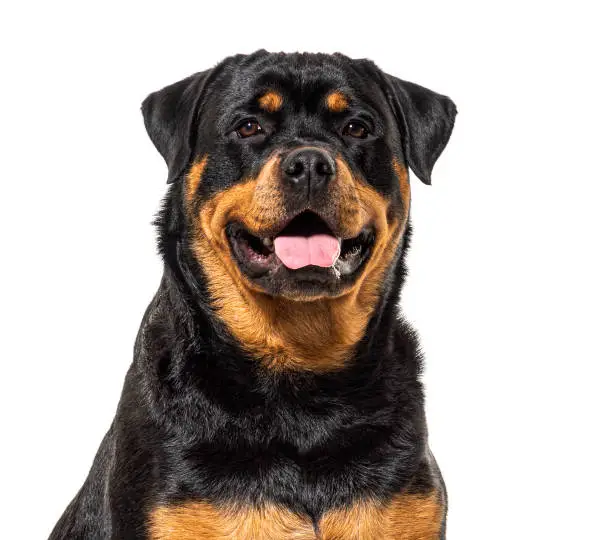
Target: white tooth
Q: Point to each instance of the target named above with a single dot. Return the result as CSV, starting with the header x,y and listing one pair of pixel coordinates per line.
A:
x,y
267,241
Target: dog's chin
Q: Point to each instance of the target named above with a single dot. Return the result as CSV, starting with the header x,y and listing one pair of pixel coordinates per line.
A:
x,y
257,261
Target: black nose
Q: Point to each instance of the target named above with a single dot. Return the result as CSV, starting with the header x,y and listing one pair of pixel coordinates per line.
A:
x,y
308,169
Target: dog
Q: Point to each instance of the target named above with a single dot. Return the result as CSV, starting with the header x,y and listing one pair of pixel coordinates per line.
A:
x,y
275,389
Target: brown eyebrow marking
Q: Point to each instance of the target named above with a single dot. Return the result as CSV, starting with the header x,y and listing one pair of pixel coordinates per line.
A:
x,y
337,102
271,101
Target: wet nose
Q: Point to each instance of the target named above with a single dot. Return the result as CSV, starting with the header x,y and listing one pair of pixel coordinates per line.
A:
x,y
308,170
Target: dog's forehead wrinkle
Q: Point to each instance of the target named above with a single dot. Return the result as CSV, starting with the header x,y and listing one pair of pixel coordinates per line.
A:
x,y
295,71
298,83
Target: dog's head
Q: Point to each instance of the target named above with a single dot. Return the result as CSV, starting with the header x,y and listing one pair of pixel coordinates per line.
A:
x,y
290,171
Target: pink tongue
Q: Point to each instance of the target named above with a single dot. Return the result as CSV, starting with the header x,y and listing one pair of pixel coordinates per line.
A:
x,y
299,251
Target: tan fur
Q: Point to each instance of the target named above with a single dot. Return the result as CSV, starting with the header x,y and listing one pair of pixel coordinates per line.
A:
x,y
406,517
271,101
199,521
318,334
337,102
414,517
404,184
193,178
363,521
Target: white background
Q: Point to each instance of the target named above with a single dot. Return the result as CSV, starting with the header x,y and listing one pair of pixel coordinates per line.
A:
x,y
510,268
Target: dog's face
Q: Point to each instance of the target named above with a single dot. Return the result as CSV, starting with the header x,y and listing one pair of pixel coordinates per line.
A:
x,y
293,170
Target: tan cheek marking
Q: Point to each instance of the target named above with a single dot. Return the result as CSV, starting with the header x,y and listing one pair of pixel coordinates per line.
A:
x,y
194,177
404,184
366,291
197,520
337,102
406,517
255,202
271,101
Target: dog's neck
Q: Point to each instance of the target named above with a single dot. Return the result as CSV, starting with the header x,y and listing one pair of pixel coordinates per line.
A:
x,y
189,359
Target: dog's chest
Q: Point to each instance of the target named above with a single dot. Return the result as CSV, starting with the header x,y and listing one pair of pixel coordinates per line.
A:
x,y
406,517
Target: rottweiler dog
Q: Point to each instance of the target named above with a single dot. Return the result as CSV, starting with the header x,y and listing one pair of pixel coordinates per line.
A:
x,y
275,390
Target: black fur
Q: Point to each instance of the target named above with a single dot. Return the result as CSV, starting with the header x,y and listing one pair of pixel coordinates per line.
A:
x,y
198,418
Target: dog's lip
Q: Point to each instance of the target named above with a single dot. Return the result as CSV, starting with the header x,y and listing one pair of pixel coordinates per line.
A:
x,y
268,234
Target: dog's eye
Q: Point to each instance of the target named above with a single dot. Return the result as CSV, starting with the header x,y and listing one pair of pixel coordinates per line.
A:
x,y
249,128
355,129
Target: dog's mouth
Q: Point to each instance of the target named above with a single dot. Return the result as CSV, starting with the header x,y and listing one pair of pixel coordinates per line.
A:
x,y
306,249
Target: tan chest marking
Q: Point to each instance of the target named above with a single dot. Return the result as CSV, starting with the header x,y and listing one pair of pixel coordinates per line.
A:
x,y
202,520
406,517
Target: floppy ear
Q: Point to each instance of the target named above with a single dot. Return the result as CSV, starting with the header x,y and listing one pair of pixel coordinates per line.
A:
x,y
426,121
170,116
